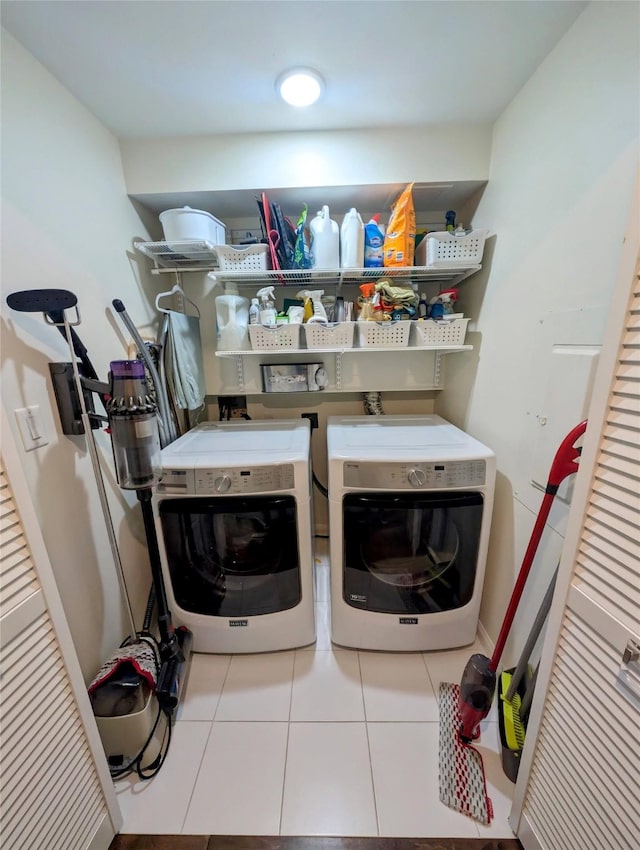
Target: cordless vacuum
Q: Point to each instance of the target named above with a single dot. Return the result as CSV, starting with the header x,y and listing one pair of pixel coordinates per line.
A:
x,y
478,682
133,424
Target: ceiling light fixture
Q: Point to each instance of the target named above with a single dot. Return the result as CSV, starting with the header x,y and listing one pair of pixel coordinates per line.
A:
x,y
300,86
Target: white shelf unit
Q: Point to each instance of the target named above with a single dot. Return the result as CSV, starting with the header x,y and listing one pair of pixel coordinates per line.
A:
x,y
421,367
198,256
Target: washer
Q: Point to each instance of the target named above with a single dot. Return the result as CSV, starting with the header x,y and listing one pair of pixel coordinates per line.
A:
x,y
410,503
234,519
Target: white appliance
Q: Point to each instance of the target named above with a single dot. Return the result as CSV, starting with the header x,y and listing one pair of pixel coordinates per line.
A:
x,y
234,519
410,502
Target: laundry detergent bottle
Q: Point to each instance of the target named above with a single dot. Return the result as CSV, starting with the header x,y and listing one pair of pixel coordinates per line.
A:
x,y
352,241
232,319
325,241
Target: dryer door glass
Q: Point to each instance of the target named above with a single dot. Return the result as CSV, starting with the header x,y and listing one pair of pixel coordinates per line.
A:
x,y
232,557
410,553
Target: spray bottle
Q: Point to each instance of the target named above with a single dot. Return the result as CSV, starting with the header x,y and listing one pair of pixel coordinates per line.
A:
x,y
366,302
254,312
267,305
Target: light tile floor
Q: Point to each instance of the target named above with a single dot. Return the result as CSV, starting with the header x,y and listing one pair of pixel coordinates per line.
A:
x,y
314,741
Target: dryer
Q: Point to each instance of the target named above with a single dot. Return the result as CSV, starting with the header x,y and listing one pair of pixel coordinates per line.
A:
x,y
234,518
410,503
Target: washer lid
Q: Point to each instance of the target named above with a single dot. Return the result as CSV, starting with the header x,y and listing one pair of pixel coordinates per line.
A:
x,y
243,443
389,437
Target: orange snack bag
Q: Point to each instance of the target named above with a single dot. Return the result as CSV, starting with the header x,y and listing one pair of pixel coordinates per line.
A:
x,y
400,238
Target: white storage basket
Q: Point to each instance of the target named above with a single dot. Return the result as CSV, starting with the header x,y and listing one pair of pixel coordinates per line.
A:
x,y
383,334
333,335
280,338
242,258
432,332
445,249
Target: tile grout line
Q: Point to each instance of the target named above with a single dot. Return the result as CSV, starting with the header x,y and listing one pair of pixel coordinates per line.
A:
x,y
286,749
366,731
206,744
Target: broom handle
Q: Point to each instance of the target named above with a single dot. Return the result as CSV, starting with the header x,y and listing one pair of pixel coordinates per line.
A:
x,y
564,464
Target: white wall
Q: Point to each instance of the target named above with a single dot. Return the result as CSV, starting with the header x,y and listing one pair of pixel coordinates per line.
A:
x,y
563,161
336,158
67,224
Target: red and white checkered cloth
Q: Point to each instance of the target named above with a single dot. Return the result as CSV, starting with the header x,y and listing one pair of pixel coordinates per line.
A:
x,y
462,781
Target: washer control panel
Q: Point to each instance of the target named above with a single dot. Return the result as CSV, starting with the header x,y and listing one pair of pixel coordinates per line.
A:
x,y
232,481
433,475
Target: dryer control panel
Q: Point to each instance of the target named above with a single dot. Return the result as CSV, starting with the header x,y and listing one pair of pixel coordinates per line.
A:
x,y
227,481
434,475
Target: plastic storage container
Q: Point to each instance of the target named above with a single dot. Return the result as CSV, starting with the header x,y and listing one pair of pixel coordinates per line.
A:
x,y
243,258
325,241
383,334
445,249
185,223
232,320
352,241
280,338
430,332
335,335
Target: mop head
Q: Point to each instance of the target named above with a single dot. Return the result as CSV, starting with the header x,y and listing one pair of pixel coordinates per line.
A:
x,y
141,657
461,774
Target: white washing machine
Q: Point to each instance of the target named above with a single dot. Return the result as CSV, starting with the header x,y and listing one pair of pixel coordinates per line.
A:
x,y
410,503
233,513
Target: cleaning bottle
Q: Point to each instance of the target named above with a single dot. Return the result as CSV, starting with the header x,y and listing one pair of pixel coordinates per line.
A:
x,y
267,305
366,302
423,306
232,318
319,312
325,241
254,312
352,241
373,243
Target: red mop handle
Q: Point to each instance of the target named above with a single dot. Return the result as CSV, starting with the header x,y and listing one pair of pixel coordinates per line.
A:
x,y
564,464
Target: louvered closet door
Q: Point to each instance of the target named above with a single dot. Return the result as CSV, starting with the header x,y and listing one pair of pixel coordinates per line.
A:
x,y
51,792
583,790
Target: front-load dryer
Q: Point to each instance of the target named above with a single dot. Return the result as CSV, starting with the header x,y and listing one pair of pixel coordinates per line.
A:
x,y
410,503
234,519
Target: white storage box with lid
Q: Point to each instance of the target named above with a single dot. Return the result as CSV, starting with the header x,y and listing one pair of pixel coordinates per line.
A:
x,y
185,224
446,249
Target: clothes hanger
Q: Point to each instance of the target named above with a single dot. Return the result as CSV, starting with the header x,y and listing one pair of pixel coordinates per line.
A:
x,y
176,290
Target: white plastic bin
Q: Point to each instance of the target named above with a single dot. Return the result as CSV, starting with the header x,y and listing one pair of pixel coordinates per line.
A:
x,y
185,224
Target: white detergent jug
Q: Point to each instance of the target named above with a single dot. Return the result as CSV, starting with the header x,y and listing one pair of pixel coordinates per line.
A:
x,y
352,241
232,320
325,241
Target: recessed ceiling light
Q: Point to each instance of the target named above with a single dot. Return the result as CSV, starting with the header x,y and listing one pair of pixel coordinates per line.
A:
x,y
300,86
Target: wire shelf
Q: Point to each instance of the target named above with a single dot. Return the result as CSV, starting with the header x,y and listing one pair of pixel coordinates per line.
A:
x,y
178,255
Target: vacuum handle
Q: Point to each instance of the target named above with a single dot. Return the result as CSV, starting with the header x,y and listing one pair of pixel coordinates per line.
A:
x,y
564,464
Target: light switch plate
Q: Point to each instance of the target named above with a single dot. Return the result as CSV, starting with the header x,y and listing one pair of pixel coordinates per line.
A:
x,y
30,425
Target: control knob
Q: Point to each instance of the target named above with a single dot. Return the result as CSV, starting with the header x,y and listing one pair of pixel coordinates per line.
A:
x,y
417,477
222,483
